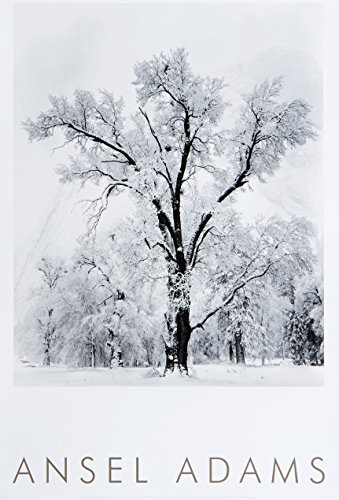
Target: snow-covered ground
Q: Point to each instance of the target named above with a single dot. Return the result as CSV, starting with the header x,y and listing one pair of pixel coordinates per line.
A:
x,y
201,375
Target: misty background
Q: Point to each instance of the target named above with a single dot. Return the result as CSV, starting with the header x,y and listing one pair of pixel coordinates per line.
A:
x,y
59,48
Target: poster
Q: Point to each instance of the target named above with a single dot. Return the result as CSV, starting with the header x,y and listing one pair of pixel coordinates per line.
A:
x,y
163,304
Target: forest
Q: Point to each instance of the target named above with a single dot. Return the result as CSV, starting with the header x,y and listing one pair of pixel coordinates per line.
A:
x,y
183,278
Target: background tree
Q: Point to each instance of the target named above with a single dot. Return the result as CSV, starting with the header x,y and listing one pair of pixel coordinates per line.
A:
x,y
94,305
52,273
253,325
305,329
41,329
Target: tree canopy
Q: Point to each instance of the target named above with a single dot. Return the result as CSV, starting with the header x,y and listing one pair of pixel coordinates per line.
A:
x,y
183,165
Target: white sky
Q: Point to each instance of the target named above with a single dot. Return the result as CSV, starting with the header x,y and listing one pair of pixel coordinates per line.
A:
x,y
61,47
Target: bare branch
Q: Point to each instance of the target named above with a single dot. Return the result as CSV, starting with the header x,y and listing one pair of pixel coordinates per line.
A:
x,y
193,258
144,114
100,140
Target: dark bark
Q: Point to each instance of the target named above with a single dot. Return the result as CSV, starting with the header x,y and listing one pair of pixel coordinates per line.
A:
x,y
149,358
47,357
118,358
239,349
93,356
171,359
231,352
170,346
115,354
49,332
183,337
179,333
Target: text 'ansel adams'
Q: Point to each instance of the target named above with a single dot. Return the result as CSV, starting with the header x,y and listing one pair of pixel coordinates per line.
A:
x,y
218,470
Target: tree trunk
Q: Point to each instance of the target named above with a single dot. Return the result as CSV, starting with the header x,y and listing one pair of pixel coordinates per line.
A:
x,y
47,357
171,359
239,349
170,344
177,352
183,337
93,356
116,360
178,321
48,339
231,352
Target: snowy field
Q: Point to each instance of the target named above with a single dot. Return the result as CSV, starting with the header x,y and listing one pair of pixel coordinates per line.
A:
x,y
201,375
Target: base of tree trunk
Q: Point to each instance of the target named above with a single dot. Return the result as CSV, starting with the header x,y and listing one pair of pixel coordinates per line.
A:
x,y
177,370
239,349
172,363
171,359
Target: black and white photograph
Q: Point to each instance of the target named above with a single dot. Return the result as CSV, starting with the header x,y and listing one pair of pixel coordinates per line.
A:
x,y
168,194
